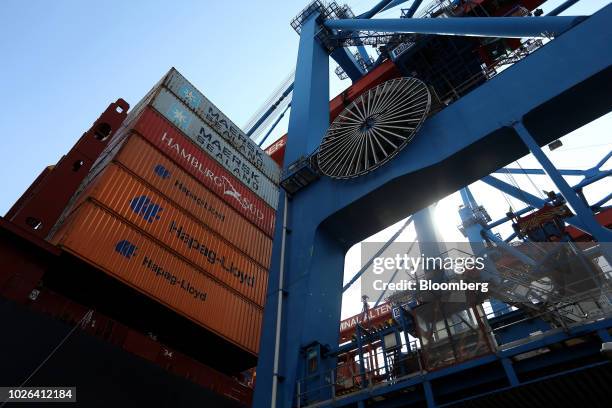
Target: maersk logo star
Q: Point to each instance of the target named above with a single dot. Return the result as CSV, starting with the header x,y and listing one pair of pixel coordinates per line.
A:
x,y
179,117
190,96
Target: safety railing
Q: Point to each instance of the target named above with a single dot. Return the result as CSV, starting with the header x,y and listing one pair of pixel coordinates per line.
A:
x,y
380,367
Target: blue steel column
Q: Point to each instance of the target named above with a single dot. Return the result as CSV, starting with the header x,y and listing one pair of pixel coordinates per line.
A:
x,y
583,213
348,63
509,370
313,262
429,395
364,54
309,117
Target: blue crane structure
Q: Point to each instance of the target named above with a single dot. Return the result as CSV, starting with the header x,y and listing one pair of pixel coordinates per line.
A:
x,y
547,94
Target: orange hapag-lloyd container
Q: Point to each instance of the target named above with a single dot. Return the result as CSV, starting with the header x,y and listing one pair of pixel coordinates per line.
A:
x,y
101,238
144,160
124,195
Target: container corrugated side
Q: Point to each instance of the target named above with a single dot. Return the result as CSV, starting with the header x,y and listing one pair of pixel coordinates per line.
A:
x,y
206,110
210,142
161,174
257,213
109,243
125,196
171,142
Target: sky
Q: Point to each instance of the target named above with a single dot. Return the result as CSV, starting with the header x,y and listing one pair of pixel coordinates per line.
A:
x,y
64,61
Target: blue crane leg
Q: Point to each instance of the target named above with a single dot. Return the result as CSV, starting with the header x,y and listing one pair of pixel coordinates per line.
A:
x,y
306,295
309,117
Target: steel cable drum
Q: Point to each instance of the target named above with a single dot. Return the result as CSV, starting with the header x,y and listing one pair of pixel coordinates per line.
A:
x,y
374,128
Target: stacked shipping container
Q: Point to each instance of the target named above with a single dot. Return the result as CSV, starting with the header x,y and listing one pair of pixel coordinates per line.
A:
x,y
181,206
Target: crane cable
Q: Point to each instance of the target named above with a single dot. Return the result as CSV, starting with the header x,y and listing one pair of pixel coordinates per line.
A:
x,y
538,191
271,99
513,181
274,98
506,197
